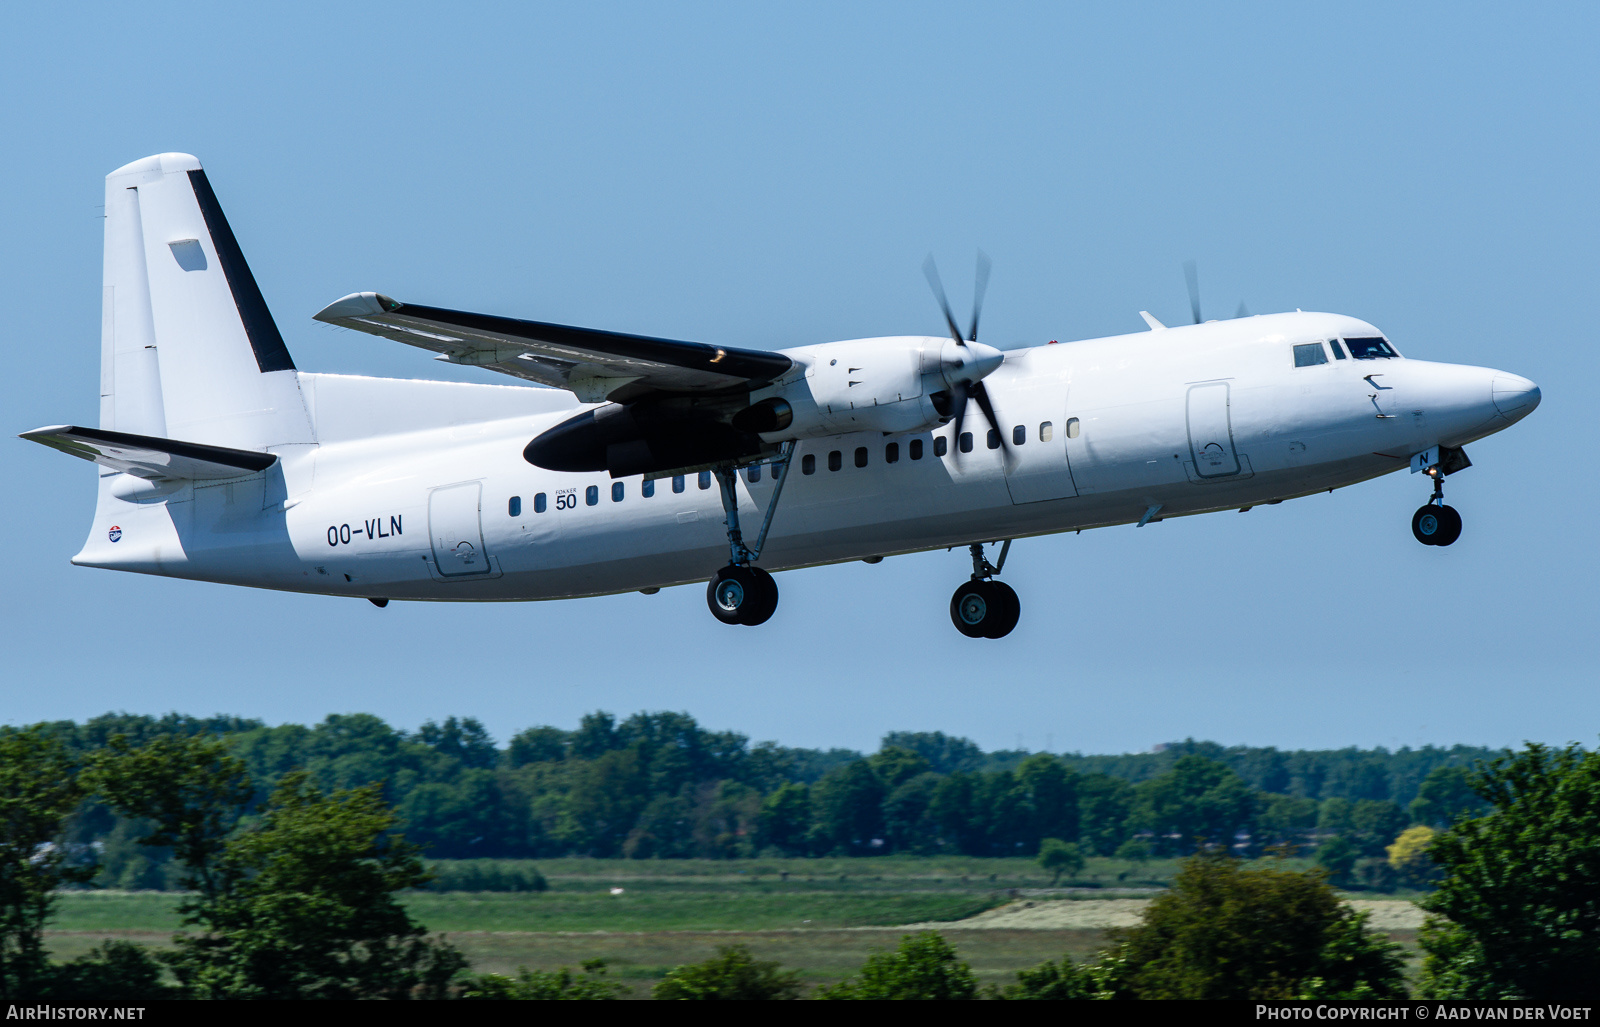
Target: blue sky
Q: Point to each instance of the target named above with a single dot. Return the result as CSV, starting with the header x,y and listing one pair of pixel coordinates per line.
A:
x,y
771,175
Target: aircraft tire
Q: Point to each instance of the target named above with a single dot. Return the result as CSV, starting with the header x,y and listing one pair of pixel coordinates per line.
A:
x,y
765,602
1008,608
1450,526
1431,524
742,595
974,608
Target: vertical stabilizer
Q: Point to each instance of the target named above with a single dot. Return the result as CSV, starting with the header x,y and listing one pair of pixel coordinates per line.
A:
x,y
189,349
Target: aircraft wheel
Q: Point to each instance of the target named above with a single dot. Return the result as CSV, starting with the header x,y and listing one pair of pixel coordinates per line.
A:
x,y
742,595
1009,608
1436,525
1450,526
984,609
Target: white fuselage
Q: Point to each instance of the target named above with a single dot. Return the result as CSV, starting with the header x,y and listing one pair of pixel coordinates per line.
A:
x,y
1176,421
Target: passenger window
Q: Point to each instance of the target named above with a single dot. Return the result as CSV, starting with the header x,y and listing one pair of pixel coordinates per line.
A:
x,y
591,495
1072,427
1046,430
835,460
617,492
754,474
965,442
776,470
514,508
941,445
861,456
891,453
1310,354
808,464
705,479
1019,435
538,503
677,483
916,449
647,488
1338,350
993,439
1370,349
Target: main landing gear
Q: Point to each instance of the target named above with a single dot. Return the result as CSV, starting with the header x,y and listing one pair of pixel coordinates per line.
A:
x,y
984,607
742,593
1435,524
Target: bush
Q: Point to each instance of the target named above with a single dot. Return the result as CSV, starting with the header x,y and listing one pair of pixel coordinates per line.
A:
x,y
546,985
1375,875
923,967
1338,857
113,973
501,875
1409,858
1063,980
1059,858
1228,930
731,974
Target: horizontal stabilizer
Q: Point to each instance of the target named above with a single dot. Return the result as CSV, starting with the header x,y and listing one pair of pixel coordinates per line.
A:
x,y
152,458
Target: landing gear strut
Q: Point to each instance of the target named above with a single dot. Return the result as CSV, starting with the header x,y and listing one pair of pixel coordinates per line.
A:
x,y
984,607
1435,524
742,593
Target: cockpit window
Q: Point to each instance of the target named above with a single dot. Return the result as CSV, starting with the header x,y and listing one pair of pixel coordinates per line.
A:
x,y
1338,353
1370,349
1310,353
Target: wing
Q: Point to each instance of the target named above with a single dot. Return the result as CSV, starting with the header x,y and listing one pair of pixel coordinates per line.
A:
x,y
595,365
148,457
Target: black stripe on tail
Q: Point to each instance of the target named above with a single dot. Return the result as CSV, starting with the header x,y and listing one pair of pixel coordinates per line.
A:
x,y
265,340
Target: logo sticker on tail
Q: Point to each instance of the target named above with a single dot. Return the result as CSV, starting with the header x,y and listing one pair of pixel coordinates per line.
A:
x,y
115,534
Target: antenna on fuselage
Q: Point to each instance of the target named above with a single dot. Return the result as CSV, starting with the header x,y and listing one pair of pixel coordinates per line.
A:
x,y
1191,275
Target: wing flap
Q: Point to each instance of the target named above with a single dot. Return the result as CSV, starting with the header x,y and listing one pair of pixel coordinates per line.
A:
x,y
594,364
147,457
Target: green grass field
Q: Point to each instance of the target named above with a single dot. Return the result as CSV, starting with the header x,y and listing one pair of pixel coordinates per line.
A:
x,y
820,916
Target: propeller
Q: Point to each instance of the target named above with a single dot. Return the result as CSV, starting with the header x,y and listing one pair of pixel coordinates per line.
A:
x,y
1191,275
964,389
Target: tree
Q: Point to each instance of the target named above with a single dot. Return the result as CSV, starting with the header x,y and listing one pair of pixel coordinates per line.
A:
x,y
1198,800
1229,930
1052,793
848,806
1105,804
466,740
1059,858
1444,795
1064,980
537,745
785,818
193,789
546,985
733,973
306,907
895,765
1283,820
1338,857
923,967
1520,896
39,789
1409,856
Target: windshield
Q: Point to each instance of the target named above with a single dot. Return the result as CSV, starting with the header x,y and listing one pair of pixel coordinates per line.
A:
x,y
1370,349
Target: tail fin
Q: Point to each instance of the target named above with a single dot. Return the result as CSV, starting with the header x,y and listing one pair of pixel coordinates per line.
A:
x,y
188,348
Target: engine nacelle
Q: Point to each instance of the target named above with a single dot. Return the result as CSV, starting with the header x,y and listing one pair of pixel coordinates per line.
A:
x,y
895,384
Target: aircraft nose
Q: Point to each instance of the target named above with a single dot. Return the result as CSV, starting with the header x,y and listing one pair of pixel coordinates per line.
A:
x,y
1514,396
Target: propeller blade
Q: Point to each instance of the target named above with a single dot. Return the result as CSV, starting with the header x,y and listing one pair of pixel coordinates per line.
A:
x,y
980,285
981,394
1243,311
958,398
931,269
1191,275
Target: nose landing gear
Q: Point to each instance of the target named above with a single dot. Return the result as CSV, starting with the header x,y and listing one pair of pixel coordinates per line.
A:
x,y
984,607
1435,524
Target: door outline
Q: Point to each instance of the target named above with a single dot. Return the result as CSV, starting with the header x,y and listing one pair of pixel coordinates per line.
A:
x,y
1213,452
455,536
